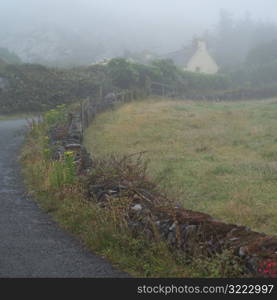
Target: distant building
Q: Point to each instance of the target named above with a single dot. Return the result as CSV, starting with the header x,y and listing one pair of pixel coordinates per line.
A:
x,y
102,62
195,58
144,57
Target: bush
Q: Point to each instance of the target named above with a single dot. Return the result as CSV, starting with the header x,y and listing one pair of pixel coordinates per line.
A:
x,y
35,88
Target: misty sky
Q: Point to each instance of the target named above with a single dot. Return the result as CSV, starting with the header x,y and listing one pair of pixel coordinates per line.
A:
x,y
191,9
160,25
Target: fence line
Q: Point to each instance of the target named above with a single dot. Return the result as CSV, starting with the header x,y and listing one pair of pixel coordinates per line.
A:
x,y
162,89
91,107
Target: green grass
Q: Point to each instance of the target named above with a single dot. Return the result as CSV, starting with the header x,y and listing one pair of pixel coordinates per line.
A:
x,y
219,158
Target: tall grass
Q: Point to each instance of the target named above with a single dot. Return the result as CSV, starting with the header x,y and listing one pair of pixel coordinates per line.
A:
x,y
218,158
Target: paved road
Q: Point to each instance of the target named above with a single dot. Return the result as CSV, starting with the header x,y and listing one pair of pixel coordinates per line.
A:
x,y
31,243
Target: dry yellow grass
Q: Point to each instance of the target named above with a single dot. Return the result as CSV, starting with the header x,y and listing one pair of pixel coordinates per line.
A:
x,y
219,158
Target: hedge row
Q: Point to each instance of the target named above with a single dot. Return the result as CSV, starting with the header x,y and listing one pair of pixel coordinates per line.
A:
x,y
28,87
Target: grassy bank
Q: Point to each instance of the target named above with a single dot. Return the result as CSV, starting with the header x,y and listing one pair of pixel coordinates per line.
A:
x,y
61,193
219,158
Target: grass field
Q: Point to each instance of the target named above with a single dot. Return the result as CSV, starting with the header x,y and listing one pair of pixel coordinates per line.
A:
x,y
219,158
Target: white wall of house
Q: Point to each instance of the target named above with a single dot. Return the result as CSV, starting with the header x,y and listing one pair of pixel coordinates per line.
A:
x,y
201,61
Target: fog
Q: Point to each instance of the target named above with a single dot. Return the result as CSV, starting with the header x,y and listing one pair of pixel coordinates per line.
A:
x,y
48,31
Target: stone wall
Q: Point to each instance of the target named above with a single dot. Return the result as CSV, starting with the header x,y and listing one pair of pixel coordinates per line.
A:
x,y
150,213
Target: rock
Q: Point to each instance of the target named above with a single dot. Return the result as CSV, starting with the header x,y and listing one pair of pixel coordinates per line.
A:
x,y
74,147
171,238
58,153
172,226
242,251
110,97
137,207
182,228
94,189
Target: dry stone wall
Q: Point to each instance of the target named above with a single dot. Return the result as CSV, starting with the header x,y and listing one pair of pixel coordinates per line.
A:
x,y
188,231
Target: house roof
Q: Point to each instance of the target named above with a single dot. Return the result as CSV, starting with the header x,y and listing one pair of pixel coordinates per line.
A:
x,y
182,57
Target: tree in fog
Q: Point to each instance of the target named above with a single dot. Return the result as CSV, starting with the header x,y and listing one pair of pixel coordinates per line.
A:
x,y
263,54
233,39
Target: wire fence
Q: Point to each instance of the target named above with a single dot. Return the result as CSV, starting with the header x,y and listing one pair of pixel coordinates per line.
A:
x,y
91,107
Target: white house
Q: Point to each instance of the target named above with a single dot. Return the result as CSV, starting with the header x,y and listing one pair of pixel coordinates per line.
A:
x,y
195,58
201,60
